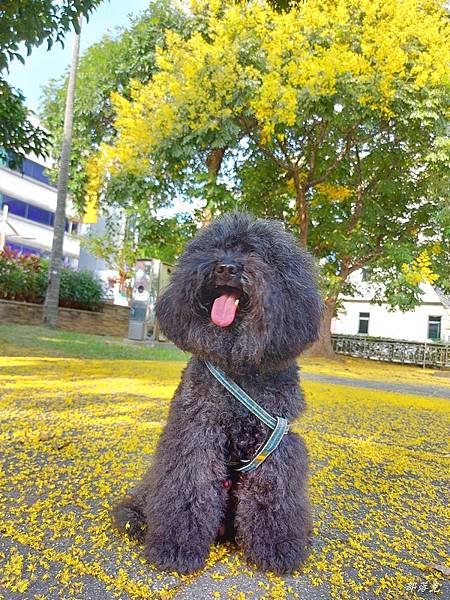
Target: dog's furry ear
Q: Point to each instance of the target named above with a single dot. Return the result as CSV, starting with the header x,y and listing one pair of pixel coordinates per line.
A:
x,y
174,309
309,302
295,315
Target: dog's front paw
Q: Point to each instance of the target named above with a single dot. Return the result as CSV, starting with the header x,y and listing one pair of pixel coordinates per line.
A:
x,y
169,556
280,557
129,518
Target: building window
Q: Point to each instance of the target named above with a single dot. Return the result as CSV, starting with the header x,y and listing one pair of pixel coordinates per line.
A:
x,y
15,207
434,328
34,213
70,226
363,322
10,159
28,211
40,215
35,171
3,157
26,250
25,166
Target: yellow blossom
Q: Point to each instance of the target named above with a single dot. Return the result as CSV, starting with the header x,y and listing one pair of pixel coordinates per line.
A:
x,y
419,270
263,64
77,433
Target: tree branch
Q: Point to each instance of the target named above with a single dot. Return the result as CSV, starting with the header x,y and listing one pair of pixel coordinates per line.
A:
x,y
340,157
214,161
314,150
361,191
244,123
361,262
300,203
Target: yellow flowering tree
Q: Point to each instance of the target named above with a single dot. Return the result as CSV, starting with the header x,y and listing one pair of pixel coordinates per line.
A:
x,y
330,115
109,65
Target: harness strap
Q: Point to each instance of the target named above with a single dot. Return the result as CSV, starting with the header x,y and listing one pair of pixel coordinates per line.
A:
x,y
243,397
271,444
279,425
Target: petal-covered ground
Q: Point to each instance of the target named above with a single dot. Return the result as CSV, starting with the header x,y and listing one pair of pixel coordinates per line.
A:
x,y
76,433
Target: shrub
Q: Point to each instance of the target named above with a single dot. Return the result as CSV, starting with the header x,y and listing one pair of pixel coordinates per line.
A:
x,y
80,289
24,278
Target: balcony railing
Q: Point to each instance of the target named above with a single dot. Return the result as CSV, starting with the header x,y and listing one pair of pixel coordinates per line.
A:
x,y
413,353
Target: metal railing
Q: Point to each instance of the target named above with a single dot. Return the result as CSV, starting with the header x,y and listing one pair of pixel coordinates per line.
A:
x,y
401,351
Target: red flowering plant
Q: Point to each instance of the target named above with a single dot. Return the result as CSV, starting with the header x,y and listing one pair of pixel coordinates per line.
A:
x,y
23,277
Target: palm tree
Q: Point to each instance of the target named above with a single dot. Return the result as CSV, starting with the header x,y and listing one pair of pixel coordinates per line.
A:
x,y
52,296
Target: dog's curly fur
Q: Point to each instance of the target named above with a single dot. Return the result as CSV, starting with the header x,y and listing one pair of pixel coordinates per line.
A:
x,y
181,505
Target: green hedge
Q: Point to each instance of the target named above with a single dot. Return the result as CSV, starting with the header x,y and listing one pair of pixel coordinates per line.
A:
x,y
24,278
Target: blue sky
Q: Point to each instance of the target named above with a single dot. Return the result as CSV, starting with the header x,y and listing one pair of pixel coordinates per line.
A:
x,y
41,65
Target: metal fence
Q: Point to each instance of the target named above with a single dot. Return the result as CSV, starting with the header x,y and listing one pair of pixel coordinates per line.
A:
x,y
414,353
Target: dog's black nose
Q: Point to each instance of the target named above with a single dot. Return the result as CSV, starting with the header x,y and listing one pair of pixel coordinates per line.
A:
x,y
226,269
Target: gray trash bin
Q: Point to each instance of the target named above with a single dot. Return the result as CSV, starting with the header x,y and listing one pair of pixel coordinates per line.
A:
x,y
137,327
140,300
150,279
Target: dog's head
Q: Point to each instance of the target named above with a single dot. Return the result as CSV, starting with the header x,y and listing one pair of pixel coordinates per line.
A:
x,y
243,296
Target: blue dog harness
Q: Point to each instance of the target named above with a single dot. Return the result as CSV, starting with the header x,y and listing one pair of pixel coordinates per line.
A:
x,y
279,425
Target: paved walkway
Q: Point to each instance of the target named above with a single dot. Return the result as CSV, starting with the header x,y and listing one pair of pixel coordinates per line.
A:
x,y
405,388
433,391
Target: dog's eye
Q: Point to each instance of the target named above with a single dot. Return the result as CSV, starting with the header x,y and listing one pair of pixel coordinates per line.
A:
x,y
247,248
232,243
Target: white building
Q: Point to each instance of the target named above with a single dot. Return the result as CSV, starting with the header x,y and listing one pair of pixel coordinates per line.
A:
x,y
31,201
108,275
430,321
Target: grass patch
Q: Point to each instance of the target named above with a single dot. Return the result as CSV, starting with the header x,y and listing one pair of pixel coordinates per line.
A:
x,y
15,340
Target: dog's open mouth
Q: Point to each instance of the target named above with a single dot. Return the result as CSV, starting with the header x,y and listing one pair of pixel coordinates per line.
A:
x,y
225,306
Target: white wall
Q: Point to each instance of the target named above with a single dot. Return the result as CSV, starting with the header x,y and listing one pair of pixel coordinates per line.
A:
x,y
39,194
89,262
40,236
411,325
27,189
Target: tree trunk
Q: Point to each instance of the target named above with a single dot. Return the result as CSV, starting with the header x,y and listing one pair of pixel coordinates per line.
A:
x,y
303,217
50,318
323,346
300,203
213,164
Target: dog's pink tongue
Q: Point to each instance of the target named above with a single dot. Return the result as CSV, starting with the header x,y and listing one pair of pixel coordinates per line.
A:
x,y
224,310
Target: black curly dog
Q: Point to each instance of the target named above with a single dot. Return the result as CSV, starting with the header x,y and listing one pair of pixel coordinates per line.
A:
x,y
243,297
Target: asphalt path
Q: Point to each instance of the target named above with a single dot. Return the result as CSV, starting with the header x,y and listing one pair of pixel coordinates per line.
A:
x,y
343,507
402,388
